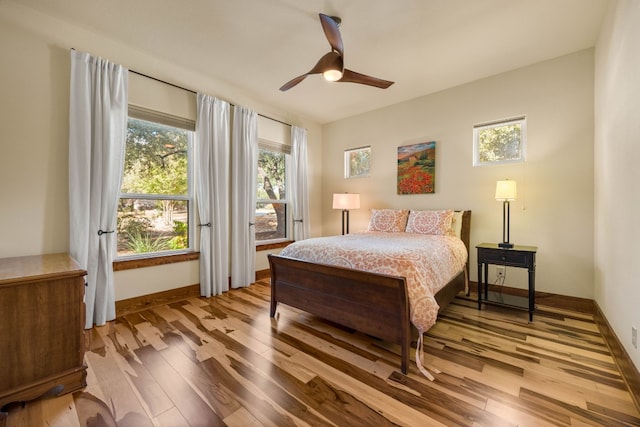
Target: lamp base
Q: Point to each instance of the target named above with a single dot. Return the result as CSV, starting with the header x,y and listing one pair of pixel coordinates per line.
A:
x,y
505,245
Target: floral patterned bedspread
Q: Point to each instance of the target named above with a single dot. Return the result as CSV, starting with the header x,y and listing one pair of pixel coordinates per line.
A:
x,y
428,262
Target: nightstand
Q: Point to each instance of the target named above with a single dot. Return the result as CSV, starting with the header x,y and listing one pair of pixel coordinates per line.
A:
x,y
518,256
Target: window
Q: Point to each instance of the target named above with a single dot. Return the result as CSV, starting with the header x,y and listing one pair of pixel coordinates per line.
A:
x,y
273,206
357,162
500,142
155,207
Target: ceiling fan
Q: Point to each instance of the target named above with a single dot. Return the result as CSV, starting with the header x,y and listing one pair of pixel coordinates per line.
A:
x,y
331,65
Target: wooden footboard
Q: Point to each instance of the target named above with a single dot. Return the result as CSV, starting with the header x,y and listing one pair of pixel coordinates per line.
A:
x,y
375,304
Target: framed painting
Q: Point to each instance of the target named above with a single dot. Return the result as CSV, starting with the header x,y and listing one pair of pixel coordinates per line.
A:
x,y
357,162
417,168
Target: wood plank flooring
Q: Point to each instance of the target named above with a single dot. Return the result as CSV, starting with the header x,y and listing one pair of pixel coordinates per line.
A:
x,y
223,361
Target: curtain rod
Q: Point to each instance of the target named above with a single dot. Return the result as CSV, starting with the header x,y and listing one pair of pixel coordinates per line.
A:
x,y
195,93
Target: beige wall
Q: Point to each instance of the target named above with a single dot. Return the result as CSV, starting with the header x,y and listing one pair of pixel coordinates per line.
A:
x,y
34,82
617,150
554,210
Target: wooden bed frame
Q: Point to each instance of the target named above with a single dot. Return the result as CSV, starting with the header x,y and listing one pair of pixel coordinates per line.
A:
x,y
372,303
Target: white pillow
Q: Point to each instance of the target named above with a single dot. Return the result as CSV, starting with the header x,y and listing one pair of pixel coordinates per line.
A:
x,y
456,225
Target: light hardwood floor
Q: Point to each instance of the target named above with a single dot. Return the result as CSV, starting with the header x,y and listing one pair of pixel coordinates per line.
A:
x,y
223,361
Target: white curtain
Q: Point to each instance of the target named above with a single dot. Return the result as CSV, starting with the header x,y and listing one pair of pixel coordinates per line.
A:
x,y
299,188
212,193
97,134
243,196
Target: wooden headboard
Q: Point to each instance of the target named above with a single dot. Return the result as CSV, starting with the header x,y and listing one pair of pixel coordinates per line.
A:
x,y
465,232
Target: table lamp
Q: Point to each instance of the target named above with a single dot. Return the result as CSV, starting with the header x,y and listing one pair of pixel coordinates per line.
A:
x,y
505,192
345,202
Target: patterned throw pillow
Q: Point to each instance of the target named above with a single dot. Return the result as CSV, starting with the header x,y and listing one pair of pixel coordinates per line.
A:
x,y
429,222
389,220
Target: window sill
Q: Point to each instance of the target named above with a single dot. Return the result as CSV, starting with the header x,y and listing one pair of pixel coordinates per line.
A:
x,y
276,245
130,264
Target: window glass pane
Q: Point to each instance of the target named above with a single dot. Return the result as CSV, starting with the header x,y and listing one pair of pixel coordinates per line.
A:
x,y
153,212
357,162
271,221
271,218
155,159
152,225
500,142
271,175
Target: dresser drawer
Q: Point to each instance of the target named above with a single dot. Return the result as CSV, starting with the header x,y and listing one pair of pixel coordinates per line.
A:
x,y
504,257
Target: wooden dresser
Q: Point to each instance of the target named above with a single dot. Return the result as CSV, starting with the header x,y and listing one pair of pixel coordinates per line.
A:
x,y
41,327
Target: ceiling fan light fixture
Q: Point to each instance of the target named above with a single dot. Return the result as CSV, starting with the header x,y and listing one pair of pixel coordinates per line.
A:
x,y
332,75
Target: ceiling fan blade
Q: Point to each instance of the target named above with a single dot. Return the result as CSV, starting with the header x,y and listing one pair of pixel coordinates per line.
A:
x,y
331,60
332,32
291,83
349,76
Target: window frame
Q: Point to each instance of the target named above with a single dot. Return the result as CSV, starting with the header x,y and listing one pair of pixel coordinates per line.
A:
x,y
278,147
140,113
477,129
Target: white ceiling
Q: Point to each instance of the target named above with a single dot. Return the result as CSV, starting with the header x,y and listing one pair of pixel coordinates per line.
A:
x,y
423,45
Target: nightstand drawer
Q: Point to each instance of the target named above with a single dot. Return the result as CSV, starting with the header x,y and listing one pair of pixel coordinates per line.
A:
x,y
505,257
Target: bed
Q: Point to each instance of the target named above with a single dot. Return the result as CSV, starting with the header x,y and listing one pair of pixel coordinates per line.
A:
x,y
372,302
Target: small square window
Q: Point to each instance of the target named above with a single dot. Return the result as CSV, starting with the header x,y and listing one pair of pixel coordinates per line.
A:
x,y
499,142
357,162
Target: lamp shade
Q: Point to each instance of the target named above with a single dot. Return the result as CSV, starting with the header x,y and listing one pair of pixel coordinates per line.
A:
x,y
346,201
506,190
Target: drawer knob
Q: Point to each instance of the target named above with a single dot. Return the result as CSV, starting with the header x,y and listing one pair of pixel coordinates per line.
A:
x,y
504,258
